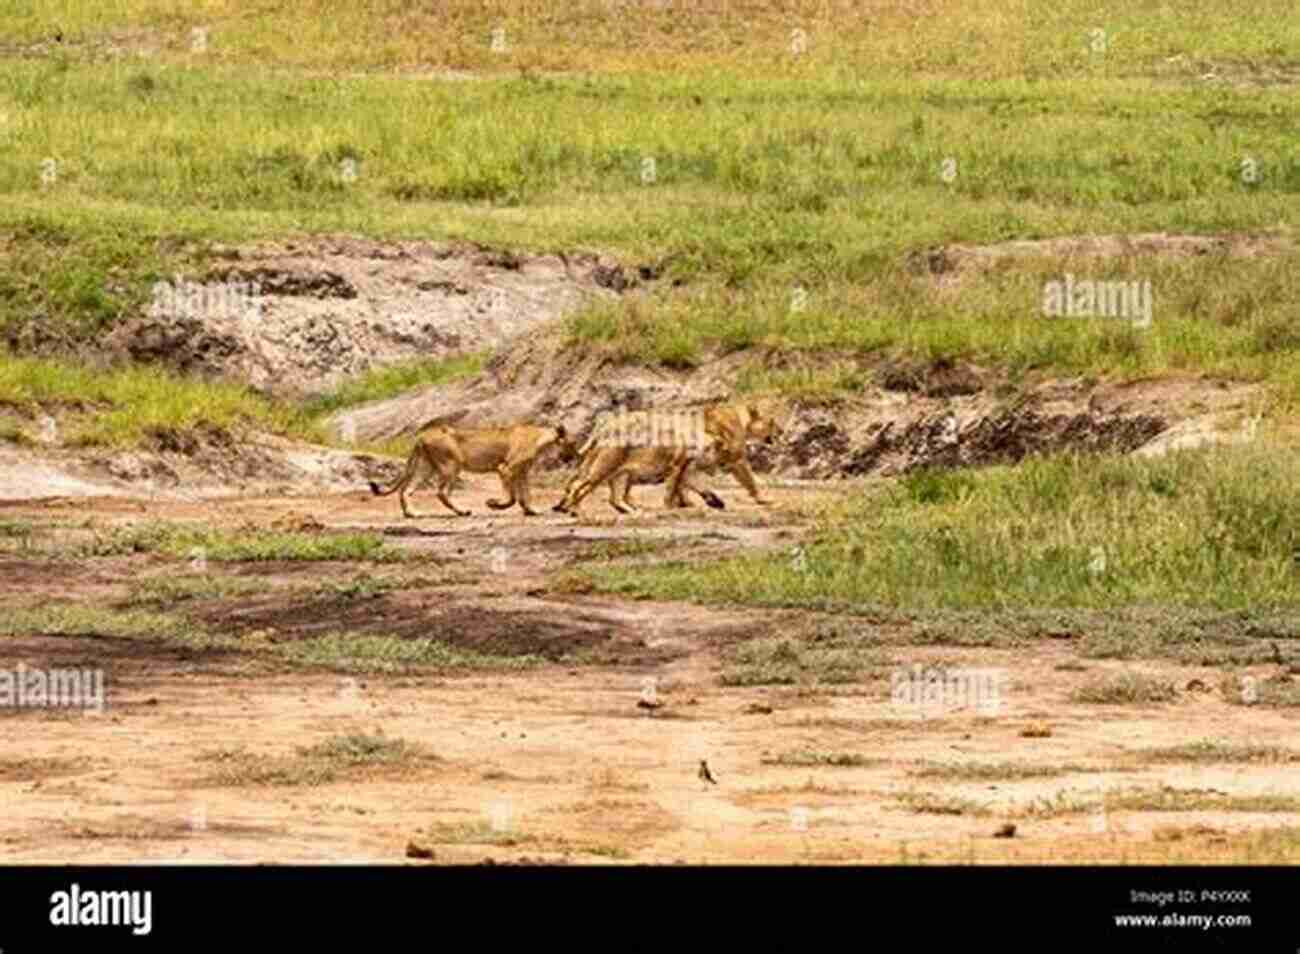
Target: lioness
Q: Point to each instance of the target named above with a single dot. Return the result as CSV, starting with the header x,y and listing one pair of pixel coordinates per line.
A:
x,y
624,467
730,426
509,451
617,452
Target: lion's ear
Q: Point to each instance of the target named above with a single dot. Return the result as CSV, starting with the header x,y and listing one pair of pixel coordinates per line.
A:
x,y
560,432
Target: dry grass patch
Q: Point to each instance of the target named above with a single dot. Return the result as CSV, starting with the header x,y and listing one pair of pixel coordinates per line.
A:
x,y
1214,753
474,833
1125,690
611,779
354,757
930,803
994,771
803,758
1170,799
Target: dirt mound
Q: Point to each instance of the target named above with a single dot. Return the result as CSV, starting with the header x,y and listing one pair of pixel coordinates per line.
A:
x,y
914,414
297,318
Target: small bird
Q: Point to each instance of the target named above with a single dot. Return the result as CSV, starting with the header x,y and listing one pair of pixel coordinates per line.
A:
x,y
705,775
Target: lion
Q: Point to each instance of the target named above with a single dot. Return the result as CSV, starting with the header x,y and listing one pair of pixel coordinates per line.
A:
x,y
509,451
648,447
624,467
731,426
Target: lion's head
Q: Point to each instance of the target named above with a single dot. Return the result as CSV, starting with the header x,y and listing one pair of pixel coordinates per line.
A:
x,y
766,424
565,444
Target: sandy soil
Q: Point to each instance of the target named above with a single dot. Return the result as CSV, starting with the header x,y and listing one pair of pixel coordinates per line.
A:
x,y
559,763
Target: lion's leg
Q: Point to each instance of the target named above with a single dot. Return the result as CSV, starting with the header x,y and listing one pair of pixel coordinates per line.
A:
x,y
580,492
675,496
450,468
620,485
420,466
628,484
734,460
600,470
579,475
746,477
504,471
569,502
521,488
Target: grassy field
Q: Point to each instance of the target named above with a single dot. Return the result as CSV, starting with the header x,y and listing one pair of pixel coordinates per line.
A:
x,y
1218,530
824,141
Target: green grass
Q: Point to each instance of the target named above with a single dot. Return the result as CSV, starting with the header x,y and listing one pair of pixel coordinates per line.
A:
x,y
390,381
360,653
65,620
772,169
197,545
1219,316
978,39
1217,530
165,591
136,404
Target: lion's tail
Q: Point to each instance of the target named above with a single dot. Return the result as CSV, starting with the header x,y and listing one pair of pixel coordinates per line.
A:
x,y
411,464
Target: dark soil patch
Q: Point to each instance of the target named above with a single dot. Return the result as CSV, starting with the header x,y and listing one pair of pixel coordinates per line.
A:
x,y
60,578
422,615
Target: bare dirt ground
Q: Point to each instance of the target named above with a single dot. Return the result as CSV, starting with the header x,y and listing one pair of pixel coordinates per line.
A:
x,y
590,756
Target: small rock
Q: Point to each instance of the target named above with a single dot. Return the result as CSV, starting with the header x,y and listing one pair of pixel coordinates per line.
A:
x,y
418,851
757,708
648,704
1006,831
